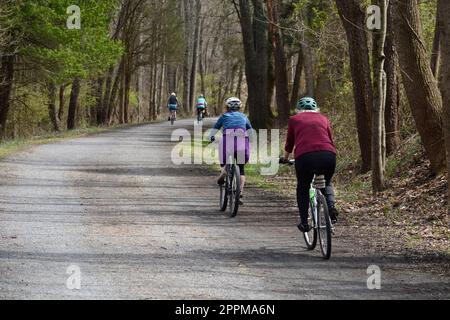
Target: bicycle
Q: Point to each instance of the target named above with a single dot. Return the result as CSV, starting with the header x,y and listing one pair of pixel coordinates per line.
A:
x,y
318,217
200,115
173,118
230,191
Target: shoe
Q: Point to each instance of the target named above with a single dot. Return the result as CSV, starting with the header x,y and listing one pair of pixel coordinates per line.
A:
x,y
241,201
333,215
304,227
221,179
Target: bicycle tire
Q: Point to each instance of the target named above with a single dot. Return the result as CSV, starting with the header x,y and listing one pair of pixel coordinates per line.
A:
x,y
235,190
223,202
172,120
324,226
311,236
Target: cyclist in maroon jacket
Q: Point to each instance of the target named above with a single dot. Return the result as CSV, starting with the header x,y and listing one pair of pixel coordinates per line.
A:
x,y
311,139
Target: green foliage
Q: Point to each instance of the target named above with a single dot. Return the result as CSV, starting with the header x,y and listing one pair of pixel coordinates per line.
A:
x,y
428,18
64,54
315,12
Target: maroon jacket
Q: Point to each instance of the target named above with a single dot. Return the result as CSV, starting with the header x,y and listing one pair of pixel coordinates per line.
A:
x,y
309,132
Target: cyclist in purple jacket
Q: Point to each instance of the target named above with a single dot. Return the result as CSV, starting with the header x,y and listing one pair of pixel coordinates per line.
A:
x,y
235,142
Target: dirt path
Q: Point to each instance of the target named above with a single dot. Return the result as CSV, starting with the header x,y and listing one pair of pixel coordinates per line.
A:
x,y
140,228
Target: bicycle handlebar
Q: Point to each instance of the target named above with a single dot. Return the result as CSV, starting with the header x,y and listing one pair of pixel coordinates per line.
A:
x,y
287,162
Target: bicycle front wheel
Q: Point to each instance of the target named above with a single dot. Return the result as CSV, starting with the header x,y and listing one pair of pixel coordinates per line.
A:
x,y
235,190
223,197
324,226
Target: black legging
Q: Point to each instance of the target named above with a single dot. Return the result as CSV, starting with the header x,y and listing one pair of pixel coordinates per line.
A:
x,y
306,166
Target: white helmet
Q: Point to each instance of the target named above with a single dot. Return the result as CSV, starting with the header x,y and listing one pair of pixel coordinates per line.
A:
x,y
234,104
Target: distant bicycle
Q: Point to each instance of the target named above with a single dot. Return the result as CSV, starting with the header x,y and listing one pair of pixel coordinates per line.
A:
x,y
200,115
318,217
173,118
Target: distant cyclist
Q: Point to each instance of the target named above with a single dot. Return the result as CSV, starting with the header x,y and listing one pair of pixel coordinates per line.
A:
x,y
235,125
172,105
201,106
309,132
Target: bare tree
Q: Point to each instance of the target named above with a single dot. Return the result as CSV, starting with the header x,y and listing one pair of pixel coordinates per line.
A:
x,y
445,81
379,100
353,18
255,40
436,53
281,77
392,113
420,84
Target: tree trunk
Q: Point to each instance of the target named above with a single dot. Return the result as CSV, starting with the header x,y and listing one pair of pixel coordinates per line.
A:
x,y
126,108
99,99
51,89
110,104
239,83
201,59
171,78
194,67
445,83
73,104
62,89
281,77
297,79
187,63
392,114
255,39
160,90
107,95
353,19
121,100
378,137
421,87
6,83
436,53
309,69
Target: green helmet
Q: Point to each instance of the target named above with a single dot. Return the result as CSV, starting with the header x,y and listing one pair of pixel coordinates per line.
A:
x,y
307,103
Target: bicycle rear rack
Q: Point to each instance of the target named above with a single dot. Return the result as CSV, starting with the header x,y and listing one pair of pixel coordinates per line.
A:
x,y
319,182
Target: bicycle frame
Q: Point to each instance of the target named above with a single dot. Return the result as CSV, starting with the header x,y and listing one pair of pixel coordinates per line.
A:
x,y
313,194
313,200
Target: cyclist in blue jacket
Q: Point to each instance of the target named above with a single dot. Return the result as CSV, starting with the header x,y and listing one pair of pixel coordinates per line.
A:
x,y
235,125
172,105
201,105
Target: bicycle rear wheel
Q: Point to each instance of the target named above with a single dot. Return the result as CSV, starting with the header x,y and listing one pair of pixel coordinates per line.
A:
x,y
324,226
311,236
235,190
172,120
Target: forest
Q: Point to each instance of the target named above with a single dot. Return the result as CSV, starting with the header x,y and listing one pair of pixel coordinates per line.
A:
x,y
380,69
